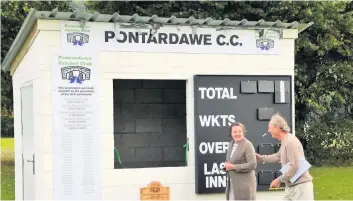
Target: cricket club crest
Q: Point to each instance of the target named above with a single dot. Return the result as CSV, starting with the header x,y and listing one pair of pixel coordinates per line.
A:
x,y
76,74
77,38
265,43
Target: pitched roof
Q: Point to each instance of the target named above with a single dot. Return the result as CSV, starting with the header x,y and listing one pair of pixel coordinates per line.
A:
x,y
115,17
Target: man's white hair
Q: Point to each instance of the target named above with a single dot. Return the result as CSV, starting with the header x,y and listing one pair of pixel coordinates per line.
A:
x,y
279,121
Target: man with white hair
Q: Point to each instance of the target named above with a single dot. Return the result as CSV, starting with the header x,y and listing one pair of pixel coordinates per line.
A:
x,y
290,153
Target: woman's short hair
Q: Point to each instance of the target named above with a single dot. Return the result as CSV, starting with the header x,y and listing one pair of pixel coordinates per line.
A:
x,y
236,124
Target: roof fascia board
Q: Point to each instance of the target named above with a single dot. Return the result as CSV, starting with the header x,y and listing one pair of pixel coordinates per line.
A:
x,y
290,34
21,37
24,48
48,25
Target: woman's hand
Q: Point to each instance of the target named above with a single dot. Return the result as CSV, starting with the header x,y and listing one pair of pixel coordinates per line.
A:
x,y
228,166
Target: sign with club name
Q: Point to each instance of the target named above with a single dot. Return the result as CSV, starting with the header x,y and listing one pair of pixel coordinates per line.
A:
x,y
168,38
222,100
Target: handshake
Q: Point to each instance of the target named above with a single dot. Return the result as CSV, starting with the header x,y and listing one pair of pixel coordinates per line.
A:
x,y
275,184
229,166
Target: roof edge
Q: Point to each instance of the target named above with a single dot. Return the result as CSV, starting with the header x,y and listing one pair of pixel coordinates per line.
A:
x,y
34,15
20,39
305,27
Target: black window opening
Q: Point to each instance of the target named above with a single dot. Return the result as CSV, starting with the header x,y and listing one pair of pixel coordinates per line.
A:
x,y
149,123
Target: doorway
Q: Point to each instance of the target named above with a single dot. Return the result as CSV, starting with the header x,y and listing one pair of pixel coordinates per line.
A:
x,y
28,154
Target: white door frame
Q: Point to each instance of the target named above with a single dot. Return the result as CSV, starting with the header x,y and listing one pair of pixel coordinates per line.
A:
x,y
25,86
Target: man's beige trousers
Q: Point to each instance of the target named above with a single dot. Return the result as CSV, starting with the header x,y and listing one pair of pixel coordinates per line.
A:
x,y
304,191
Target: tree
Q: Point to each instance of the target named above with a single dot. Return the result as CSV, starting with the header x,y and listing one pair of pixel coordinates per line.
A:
x,y
323,54
13,14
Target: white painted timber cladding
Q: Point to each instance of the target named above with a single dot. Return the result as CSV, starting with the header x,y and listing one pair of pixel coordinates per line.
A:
x,y
28,73
126,183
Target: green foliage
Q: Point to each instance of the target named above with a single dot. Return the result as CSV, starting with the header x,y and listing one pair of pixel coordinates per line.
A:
x,y
324,61
13,14
323,53
7,126
329,141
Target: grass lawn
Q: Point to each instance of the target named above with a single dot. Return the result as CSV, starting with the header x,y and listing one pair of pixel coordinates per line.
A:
x,y
7,144
7,182
330,183
333,183
7,169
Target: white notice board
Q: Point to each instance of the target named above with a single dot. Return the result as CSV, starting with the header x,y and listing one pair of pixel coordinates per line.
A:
x,y
76,133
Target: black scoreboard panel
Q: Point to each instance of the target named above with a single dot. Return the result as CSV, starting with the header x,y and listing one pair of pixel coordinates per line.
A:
x,y
251,100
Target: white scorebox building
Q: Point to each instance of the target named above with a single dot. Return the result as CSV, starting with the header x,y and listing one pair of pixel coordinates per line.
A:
x,y
106,103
